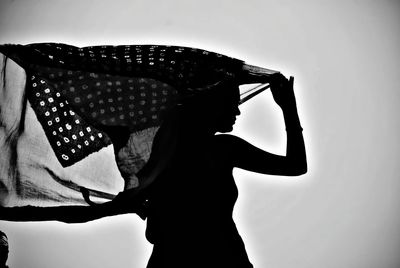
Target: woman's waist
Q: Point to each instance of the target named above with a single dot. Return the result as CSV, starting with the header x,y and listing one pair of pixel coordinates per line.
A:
x,y
221,231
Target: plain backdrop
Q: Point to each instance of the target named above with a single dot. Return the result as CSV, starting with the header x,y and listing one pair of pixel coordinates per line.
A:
x,y
344,56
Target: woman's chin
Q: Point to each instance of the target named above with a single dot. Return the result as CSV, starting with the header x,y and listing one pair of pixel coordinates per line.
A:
x,y
225,129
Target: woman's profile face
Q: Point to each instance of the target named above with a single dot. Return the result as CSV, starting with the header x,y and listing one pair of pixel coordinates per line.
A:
x,y
214,111
225,111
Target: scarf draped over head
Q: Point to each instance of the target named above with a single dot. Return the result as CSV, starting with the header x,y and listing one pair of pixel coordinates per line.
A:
x,y
81,96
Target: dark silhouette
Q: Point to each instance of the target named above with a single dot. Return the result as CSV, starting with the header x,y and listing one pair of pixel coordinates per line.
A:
x,y
3,250
191,203
185,188
187,191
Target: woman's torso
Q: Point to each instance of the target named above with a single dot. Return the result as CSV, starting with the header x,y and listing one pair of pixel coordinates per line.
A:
x,y
190,210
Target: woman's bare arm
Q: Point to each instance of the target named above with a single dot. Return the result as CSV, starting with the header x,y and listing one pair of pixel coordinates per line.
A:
x,y
67,214
125,202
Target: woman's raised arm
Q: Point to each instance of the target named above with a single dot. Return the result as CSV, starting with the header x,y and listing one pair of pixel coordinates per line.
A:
x,y
294,163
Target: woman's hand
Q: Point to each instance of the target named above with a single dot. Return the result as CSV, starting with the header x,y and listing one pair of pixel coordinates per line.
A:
x,y
282,91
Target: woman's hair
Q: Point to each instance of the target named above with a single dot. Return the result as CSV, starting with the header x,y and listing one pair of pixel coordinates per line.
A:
x,y
212,98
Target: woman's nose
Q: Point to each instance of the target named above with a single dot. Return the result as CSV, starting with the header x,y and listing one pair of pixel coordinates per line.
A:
x,y
237,111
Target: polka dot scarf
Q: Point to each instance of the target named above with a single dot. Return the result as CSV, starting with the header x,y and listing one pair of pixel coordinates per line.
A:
x,y
76,92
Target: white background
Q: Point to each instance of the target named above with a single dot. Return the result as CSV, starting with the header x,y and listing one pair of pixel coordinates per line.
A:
x,y
344,56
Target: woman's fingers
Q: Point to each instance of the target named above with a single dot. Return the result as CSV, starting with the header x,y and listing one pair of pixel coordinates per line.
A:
x,y
282,90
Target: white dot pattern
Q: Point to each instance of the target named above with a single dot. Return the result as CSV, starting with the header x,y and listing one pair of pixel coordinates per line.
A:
x,y
184,68
73,89
63,125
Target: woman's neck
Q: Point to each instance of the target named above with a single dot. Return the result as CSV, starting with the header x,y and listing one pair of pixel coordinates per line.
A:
x,y
194,131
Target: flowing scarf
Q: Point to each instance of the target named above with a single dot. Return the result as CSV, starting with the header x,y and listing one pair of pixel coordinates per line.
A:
x,y
62,107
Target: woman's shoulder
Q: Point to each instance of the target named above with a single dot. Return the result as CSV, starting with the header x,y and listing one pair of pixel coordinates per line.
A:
x,y
227,143
233,147
227,139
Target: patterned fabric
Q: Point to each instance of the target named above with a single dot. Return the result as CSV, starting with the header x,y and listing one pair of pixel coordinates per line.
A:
x,y
62,106
76,93
30,173
70,135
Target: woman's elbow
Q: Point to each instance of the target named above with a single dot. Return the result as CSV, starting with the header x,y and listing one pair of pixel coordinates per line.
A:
x,y
297,169
301,171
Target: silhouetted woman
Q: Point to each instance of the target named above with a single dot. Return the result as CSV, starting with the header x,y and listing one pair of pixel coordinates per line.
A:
x,y
188,182
191,202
